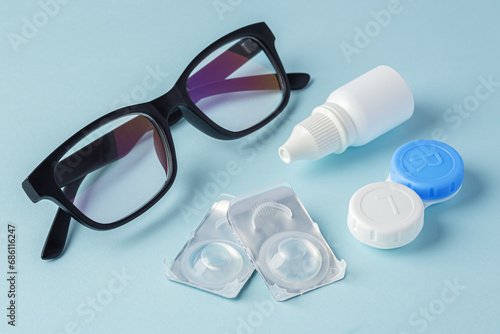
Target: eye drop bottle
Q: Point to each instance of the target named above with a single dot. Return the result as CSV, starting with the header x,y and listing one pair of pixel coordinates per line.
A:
x,y
353,115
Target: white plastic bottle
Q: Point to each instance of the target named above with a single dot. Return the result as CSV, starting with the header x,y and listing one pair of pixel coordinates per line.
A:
x,y
353,115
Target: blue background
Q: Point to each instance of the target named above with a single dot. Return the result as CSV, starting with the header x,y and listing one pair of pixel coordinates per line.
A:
x,y
80,63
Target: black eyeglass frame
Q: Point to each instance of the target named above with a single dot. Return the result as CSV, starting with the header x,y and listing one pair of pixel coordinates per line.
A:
x,y
164,111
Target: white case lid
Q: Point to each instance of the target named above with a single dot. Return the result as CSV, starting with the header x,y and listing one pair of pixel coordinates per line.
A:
x,y
385,215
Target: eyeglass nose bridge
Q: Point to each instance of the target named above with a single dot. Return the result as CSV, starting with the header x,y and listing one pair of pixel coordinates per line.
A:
x,y
174,106
168,105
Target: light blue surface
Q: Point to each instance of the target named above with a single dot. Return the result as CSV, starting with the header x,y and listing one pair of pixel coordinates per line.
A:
x,y
90,57
432,168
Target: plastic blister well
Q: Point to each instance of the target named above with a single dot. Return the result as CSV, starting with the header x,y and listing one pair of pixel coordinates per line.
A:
x,y
282,241
212,259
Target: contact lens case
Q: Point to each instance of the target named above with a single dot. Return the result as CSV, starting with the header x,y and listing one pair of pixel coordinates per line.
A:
x,y
284,244
391,214
212,259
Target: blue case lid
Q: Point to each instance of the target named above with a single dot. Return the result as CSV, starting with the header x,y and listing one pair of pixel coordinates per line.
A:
x,y
434,170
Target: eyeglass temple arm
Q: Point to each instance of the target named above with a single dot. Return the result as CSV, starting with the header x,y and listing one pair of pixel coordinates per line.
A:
x,y
235,57
241,84
58,233
244,51
71,178
225,64
297,81
105,150
104,153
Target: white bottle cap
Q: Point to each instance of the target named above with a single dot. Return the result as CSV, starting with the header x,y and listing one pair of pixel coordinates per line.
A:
x,y
322,133
385,215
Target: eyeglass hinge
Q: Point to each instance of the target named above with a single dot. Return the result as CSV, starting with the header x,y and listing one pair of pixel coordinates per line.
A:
x,y
30,191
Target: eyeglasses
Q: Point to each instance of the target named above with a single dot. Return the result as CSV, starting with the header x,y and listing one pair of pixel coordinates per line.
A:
x,y
120,165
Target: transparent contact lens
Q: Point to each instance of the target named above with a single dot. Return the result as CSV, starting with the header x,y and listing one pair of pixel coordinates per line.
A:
x,y
294,258
212,259
214,263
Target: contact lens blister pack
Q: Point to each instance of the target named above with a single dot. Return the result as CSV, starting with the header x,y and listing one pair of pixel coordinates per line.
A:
x,y
212,259
285,245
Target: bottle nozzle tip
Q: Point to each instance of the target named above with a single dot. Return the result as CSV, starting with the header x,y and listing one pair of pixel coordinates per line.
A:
x,y
284,155
300,146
